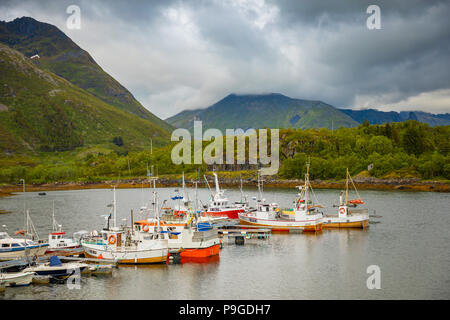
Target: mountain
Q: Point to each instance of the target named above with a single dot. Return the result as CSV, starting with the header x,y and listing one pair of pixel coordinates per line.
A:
x,y
61,56
378,117
40,111
264,110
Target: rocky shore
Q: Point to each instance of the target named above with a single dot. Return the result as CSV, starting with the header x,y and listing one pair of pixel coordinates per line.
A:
x,y
174,181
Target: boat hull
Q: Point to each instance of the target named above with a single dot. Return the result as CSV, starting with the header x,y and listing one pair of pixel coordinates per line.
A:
x,y
69,251
335,223
149,260
200,252
230,214
16,279
60,271
282,225
128,256
18,253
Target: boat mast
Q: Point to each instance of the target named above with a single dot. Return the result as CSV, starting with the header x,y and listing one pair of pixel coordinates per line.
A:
x,y
259,187
242,194
346,189
55,224
217,183
114,206
207,183
306,186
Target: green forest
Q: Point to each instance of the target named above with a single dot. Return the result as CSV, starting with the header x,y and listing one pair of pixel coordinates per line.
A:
x,y
397,150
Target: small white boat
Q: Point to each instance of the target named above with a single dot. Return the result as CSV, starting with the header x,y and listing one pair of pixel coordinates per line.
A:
x,y
56,269
59,244
348,216
17,248
16,279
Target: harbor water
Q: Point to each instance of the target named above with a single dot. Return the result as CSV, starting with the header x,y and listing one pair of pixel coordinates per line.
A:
x,y
408,240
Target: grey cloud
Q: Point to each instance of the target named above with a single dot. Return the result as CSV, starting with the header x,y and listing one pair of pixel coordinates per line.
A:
x,y
309,49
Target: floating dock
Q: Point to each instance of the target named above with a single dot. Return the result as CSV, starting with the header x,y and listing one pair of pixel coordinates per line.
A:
x,y
238,234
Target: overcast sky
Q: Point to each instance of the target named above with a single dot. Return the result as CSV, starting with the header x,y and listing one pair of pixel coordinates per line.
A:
x,y
176,55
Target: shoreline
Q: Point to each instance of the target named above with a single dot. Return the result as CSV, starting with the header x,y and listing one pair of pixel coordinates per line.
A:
x,y
361,184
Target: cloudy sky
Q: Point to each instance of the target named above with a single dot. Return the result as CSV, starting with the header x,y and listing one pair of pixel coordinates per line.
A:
x,y
176,55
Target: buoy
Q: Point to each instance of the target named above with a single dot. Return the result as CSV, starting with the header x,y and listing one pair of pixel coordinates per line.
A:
x,y
112,239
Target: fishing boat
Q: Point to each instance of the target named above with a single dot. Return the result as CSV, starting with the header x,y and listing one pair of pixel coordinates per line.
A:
x,y
219,205
192,235
58,243
16,248
116,243
183,203
190,238
16,279
348,216
56,269
304,216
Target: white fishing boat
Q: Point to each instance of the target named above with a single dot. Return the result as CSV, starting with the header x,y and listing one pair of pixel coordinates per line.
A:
x,y
191,234
348,216
304,216
116,243
56,269
59,244
16,279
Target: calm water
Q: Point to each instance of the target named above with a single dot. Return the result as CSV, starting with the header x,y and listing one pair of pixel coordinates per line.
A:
x,y
409,244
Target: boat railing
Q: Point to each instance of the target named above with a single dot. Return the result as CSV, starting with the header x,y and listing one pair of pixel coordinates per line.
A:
x,y
99,243
358,211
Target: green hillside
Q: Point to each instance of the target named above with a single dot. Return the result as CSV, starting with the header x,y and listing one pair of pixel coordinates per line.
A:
x,y
265,110
40,112
60,55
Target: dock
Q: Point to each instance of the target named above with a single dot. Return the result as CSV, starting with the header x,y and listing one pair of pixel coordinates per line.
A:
x,y
238,234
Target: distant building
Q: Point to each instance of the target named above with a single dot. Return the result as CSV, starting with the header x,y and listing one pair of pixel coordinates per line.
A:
x,y
36,56
370,167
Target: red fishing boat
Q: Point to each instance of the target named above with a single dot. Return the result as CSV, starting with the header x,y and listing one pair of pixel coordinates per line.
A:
x,y
219,206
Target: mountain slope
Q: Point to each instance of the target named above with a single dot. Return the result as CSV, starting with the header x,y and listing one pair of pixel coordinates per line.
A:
x,y
378,117
266,110
40,111
60,55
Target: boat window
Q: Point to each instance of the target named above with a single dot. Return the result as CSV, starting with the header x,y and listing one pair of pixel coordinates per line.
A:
x,y
15,245
5,245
